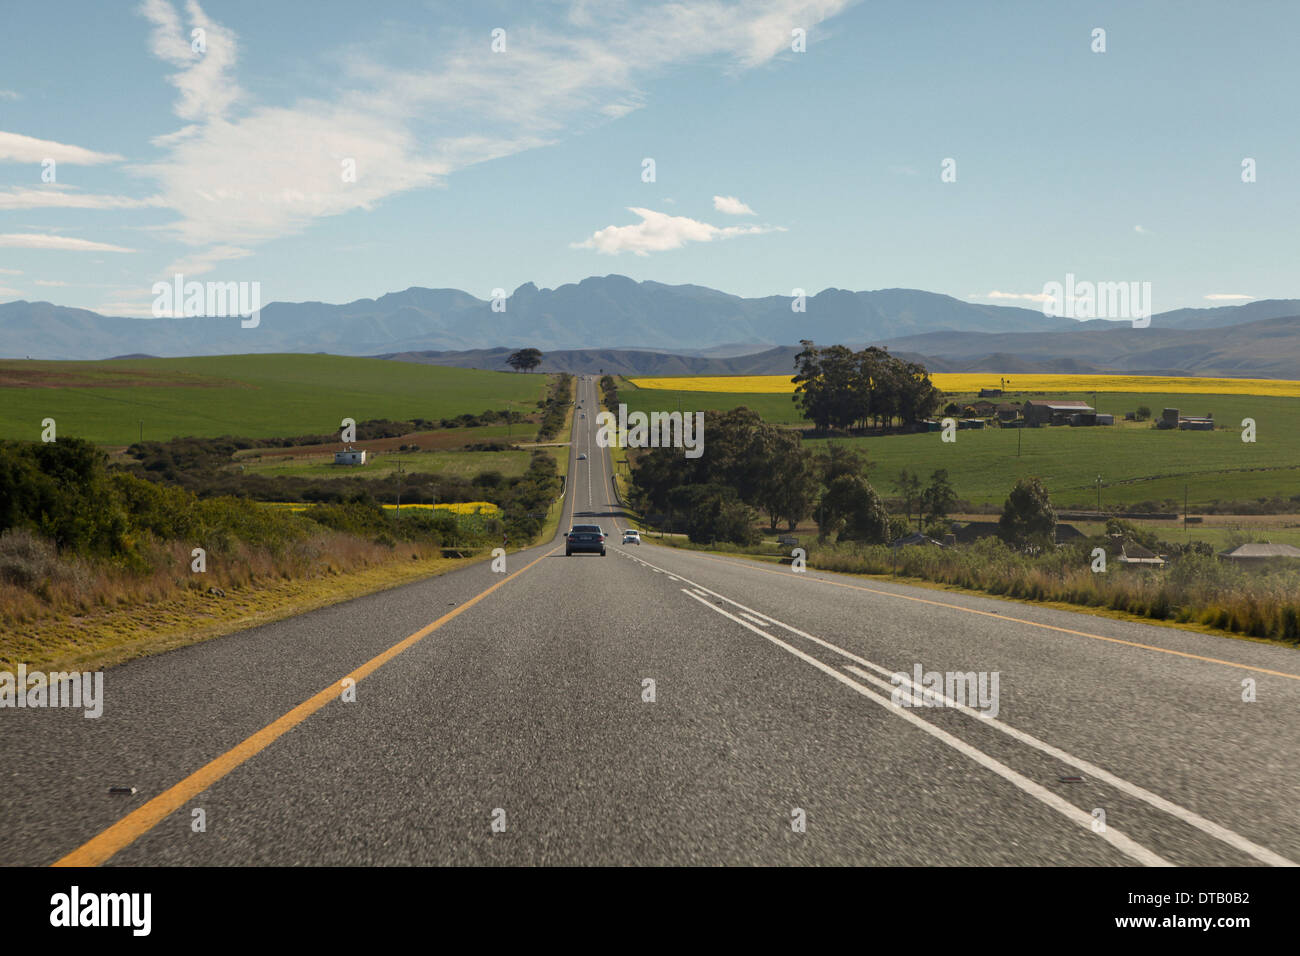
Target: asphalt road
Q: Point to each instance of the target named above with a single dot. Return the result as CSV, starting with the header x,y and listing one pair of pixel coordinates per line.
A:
x,y
526,707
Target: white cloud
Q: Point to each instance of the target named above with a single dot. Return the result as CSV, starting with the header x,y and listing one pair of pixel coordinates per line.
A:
x,y
11,272
9,95
240,174
33,240
4,290
731,206
206,260
57,197
14,147
1140,231
1028,296
1227,296
658,232
52,282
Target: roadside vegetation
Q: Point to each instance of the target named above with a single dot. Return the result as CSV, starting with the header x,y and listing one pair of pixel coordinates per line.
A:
x,y
759,476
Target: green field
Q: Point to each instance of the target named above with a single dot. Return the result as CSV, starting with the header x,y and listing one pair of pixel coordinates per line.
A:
x,y
254,396
462,464
1137,462
778,409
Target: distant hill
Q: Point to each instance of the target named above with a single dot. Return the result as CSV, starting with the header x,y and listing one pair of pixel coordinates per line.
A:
x,y
1268,348
615,323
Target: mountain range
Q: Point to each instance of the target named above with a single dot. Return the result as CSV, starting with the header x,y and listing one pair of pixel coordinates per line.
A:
x,y
619,324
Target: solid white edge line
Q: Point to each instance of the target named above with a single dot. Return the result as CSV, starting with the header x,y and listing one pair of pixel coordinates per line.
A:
x,y
1130,848
1261,853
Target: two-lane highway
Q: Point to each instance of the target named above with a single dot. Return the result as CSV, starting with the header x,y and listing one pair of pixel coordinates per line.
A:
x,y
665,706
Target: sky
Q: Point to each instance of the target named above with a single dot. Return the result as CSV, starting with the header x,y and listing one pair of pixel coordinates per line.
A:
x,y
335,150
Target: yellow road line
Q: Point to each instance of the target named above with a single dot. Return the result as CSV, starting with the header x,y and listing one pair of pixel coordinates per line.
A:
x,y
1017,620
144,818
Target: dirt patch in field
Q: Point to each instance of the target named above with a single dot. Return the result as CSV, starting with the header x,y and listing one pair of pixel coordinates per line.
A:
x,y
44,376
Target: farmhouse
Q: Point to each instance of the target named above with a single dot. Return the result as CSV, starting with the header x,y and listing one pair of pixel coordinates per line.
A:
x,y
1130,552
1260,553
350,456
1054,411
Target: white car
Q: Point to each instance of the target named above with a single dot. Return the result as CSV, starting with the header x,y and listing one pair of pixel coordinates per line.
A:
x,y
631,536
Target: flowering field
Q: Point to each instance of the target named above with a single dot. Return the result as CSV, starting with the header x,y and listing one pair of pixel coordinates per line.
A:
x,y
486,508
959,382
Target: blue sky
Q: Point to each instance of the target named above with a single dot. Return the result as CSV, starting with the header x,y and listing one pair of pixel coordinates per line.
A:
x,y
478,170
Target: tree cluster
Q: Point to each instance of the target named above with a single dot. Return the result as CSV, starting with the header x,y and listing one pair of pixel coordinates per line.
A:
x,y
836,387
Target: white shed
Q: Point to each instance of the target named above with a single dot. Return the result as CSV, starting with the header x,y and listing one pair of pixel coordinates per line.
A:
x,y
350,456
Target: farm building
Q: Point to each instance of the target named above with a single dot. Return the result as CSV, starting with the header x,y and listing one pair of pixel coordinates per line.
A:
x,y
1054,411
1260,553
1130,552
1172,418
1007,413
915,538
350,456
990,393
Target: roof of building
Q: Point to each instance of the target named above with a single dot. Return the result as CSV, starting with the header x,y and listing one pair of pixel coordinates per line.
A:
x,y
914,538
1053,403
1262,549
1133,553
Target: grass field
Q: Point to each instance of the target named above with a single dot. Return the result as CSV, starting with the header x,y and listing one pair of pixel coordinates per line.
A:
x,y
776,408
463,464
974,381
1137,462
254,396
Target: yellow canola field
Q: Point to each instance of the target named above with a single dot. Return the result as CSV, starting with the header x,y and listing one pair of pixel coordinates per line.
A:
x,y
460,507
959,382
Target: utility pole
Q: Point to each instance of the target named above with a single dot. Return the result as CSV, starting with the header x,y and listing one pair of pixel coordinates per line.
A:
x,y
1099,494
398,474
142,431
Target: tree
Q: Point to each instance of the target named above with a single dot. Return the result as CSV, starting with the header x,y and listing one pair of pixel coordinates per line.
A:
x,y
787,485
938,498
854,511
1027,517
525,360
908,485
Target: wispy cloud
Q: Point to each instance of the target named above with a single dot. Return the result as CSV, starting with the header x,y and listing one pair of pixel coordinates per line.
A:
x,y
33,240
11,272
731,206
9,95
58,197
658,232
1227,296
1141,231
239,174
14,147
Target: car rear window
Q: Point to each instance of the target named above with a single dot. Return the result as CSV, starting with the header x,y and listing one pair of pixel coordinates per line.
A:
x,y
586,529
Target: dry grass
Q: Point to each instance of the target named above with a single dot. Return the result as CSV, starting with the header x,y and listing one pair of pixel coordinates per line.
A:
x,y
97,615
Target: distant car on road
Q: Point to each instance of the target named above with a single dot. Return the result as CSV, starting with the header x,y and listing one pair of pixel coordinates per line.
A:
x,y
631,536
582,457
584,537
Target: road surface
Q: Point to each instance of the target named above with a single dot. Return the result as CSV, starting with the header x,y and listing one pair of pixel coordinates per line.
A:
x,y
507,719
